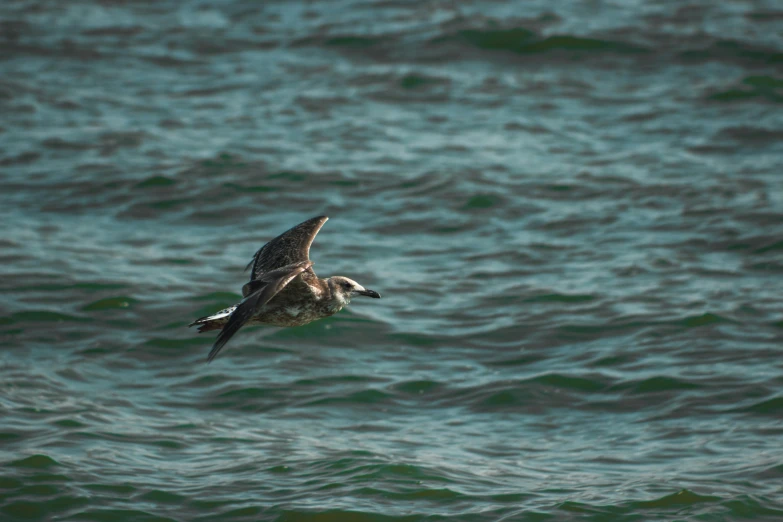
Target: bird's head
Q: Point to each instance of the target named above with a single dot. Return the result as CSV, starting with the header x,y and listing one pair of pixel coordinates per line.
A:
x,y
343,289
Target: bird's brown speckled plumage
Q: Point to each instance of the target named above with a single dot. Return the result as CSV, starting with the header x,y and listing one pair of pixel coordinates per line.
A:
x,y
283,288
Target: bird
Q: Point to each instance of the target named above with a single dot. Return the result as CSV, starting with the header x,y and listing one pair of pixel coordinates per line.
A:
x,y
283,289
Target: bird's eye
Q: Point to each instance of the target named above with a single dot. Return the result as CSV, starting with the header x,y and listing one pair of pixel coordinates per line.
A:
x,y
346,285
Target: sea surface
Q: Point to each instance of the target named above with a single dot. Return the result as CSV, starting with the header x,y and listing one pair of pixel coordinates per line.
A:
x,y
573,211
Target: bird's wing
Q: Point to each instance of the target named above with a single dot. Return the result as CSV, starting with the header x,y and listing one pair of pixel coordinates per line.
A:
x,y
262,291
288,248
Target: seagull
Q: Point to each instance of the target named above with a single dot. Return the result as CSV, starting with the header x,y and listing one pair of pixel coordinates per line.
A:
x,y
283,288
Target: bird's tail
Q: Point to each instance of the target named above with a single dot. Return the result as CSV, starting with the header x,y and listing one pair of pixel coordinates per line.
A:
x,y
215,321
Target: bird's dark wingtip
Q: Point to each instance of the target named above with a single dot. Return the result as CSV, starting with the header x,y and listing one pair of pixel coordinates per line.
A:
x,y
220,342
215,350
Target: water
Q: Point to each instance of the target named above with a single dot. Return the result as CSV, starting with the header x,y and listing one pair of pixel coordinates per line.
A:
x,y
574,212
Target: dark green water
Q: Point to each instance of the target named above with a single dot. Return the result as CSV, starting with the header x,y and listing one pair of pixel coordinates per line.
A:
x,y
574,212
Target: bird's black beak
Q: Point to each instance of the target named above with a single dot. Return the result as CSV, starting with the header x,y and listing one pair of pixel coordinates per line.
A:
x,y
369,293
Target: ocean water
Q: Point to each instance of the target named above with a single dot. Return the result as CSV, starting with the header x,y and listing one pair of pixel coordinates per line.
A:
x,y
573,211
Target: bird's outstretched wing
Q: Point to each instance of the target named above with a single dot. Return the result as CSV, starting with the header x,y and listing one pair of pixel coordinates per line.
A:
x,y
262,290
286,249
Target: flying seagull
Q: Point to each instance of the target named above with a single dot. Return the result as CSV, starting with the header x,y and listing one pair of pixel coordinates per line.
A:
x,y
283,288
